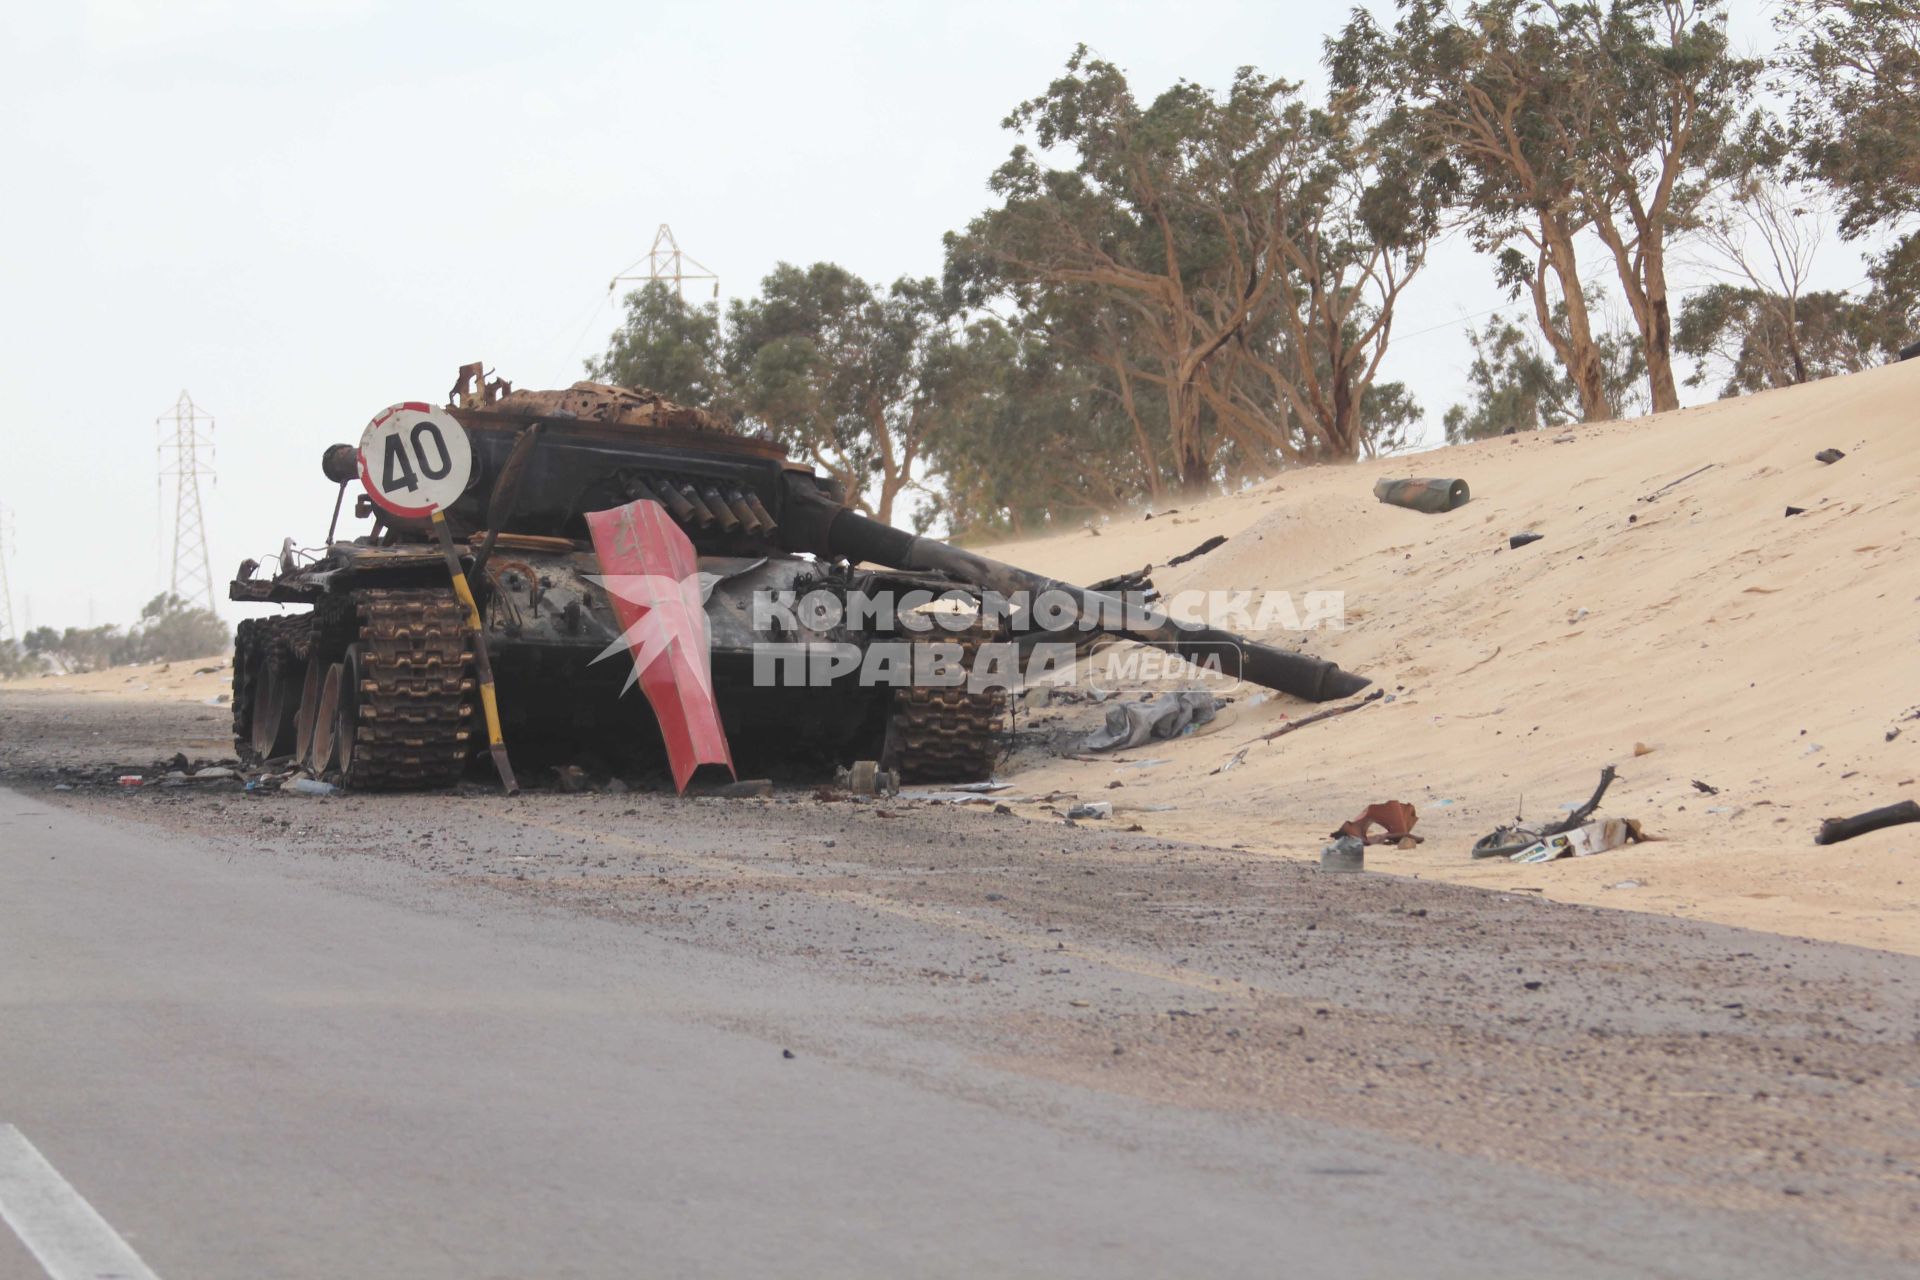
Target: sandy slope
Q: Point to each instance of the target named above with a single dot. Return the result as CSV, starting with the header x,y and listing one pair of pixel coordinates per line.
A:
x,y
1767,656
188,680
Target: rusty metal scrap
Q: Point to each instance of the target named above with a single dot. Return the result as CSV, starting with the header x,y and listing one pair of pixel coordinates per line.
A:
x,y
1395,818
475,390
598,402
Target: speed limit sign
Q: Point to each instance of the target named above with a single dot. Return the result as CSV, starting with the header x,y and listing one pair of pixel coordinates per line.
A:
x,y
415,458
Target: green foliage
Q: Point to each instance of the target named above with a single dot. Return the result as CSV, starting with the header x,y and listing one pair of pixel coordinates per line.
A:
x,y
1516,387
1559,119
854,378
665,345
1758,339
1182,292
1234,257
169,630
1048,439
1853,71
17,663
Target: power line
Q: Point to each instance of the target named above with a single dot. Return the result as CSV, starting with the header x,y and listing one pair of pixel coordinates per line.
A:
x,y
180,450
667,262
7,632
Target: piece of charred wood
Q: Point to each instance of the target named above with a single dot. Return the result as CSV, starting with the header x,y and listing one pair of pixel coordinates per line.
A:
x,y
1318,716
1217,540
1834,830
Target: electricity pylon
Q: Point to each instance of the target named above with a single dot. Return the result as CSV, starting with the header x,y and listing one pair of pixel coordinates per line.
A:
x,y
7,631
182,445
666,262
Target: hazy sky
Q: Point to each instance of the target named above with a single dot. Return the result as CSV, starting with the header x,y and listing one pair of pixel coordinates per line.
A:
x,y
303,211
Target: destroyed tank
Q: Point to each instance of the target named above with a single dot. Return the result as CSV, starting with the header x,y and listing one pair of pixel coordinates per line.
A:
x,y
377,680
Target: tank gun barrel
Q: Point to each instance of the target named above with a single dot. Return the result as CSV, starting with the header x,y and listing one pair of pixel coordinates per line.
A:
x,y
841,532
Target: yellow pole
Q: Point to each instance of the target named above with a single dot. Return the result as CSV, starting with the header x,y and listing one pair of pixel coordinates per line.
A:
x,y
483,665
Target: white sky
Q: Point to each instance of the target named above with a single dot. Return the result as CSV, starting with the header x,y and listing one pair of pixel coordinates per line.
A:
x,y
304,211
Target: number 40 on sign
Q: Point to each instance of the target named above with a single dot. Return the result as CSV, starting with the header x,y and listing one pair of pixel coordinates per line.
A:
x,y
415,459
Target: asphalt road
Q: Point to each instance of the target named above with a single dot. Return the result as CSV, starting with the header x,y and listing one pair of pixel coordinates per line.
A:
x,y
339,1066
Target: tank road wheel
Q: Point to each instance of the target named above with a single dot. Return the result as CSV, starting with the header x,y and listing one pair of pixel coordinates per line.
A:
x,y
326,722
346,715
304,717
246,643
269,656
275,694
403,719
945,734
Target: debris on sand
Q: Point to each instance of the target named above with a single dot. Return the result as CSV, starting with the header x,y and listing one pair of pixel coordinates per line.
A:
x,y
1218,540
1583,841
1318,716
1828,456
1344,855
1834,830
1519,540
866,778
1233,761
1432,495
1505,841
743,789
1669,484
1130,724
1395,818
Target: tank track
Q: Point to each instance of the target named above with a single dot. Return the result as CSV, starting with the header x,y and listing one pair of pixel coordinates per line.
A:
x,y
414,697
946,734
291,635
246,643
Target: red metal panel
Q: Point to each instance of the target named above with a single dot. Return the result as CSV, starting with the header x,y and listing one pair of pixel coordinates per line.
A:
x,y
652,575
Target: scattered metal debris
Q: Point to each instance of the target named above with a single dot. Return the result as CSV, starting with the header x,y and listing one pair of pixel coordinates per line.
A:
x,y
741,789
1395,818
1582,841
1505,841
1669,484
867,778
1233,761
1432,495
1130,724
1519,540
1345,855
1219,539
1828,456
1318,716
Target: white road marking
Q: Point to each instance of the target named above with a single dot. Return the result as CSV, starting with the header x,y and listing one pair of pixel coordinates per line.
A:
x,y
68,1236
